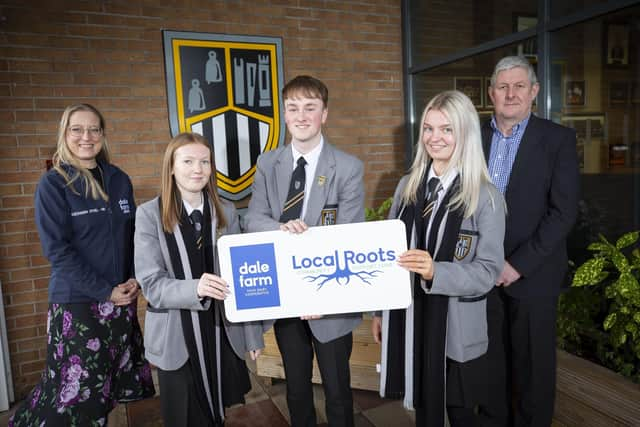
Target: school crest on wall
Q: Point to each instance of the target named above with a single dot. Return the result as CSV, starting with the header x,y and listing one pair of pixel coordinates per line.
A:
x,y
226,88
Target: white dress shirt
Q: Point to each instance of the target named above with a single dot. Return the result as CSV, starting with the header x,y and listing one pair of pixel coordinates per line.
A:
x,y
311,158
446,180
190,208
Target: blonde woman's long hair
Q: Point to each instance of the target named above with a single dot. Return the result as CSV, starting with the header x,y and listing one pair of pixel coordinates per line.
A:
x,y
63,155
171,198
467,157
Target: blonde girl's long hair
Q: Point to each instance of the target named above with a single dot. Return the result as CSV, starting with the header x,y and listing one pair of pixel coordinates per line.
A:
x,y
63,155
171,198
467,156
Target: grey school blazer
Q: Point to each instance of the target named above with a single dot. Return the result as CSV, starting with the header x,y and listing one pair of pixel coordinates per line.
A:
x,y
336,197
163,337
478,261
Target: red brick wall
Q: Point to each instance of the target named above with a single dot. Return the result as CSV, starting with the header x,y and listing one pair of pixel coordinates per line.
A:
x,y
109,53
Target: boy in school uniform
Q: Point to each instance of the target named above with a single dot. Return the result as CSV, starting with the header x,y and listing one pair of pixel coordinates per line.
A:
x,y
310,183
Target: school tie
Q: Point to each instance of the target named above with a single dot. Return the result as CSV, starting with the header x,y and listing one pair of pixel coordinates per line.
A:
x,y
434,187
293,206
196,221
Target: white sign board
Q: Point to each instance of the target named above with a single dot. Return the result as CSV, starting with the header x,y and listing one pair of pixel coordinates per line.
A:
x,y
326,270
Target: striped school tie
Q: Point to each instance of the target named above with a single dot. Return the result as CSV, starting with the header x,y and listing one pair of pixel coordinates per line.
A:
x,y
434,186
196,221
292,208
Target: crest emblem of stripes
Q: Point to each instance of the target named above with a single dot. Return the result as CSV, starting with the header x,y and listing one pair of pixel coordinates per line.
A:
x,y
226,88
463,246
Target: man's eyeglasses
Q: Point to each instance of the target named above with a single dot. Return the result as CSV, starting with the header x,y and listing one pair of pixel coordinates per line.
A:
x,y
78,131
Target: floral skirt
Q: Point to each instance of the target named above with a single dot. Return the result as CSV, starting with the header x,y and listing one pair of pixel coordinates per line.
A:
x,y
95,359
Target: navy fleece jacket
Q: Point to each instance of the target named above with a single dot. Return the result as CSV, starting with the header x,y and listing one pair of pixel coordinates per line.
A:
x,y
88,242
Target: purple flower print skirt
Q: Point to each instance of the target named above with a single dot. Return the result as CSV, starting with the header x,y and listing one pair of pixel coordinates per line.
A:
x,y
95,359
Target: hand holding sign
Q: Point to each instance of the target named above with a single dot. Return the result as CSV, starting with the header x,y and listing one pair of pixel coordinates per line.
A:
x,y
296,226
417,261
212,286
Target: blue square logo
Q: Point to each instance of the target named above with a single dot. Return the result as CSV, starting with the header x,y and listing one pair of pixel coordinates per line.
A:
x,y
255,276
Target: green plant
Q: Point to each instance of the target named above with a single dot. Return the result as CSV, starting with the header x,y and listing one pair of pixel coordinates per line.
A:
x,y
615,270
379,213
578,320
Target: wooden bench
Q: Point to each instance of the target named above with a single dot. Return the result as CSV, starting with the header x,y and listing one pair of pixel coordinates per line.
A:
x,y
591,395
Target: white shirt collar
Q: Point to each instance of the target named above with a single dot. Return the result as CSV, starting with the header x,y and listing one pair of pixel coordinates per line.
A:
x,y
311,157
190,208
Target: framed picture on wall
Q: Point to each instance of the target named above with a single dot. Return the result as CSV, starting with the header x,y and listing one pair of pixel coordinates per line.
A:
x,y
575,93
528,48
487,98
472,87
618,93
590,140
634,92
617,45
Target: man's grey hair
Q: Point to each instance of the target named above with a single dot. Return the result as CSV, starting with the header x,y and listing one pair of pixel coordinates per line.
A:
x,y
509,62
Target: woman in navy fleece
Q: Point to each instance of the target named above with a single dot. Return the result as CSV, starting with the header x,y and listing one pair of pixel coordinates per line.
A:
x,y
84,210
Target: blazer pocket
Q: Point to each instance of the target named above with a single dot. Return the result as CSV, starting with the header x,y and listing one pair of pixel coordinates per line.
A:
x,y
329,214
474,330
155,330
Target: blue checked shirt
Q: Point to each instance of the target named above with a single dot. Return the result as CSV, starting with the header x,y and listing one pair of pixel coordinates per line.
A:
x,y
503,153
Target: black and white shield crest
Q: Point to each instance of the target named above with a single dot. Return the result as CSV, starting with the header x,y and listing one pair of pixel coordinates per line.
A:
x,y
226,88
463,245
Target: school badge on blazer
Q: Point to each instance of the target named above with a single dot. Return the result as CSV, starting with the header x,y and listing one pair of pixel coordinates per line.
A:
x,y
328,215
463,245
226,88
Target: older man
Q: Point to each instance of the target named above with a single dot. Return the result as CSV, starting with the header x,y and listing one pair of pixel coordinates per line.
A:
x,y
533,162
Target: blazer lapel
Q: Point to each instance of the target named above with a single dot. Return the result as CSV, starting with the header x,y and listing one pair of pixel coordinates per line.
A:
x,y
214,223
283,169
487,136
325,172
528,144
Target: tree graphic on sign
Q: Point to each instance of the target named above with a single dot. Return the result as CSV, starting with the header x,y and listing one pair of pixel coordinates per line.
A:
x,y
342,276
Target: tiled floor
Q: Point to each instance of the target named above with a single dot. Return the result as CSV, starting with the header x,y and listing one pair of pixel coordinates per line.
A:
x,y
266,406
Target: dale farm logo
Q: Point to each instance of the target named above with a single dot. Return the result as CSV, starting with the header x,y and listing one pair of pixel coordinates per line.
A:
x,y
341,266
124,206
226,88
255,277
